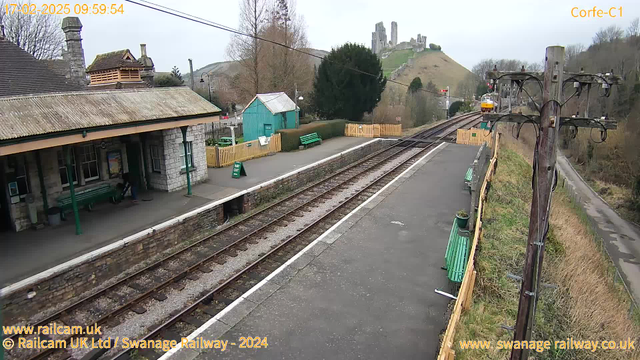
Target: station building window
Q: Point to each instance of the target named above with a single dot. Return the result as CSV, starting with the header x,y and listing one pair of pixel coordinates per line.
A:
x,y
189,155
156,158
18,177
89,162
64,177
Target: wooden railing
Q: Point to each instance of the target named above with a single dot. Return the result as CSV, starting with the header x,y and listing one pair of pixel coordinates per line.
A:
x,y
474,136
224,156
375,130
463,302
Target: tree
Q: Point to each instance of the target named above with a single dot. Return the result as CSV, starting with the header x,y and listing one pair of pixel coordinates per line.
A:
x,y
433,46
416,84
609,34
39,35
246,50
634,28
166,81
283,69
340,91
175,73
482,89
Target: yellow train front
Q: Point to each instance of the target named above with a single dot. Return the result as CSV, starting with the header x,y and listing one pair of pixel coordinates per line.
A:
x,y
487,103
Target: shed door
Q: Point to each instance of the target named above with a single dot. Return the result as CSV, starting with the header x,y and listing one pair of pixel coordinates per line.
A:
x,y
268,129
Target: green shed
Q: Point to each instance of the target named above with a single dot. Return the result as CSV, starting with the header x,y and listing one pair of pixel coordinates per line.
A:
x,y
266,114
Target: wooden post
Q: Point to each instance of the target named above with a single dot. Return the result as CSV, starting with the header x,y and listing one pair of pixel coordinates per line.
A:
x,y
544,169
466,305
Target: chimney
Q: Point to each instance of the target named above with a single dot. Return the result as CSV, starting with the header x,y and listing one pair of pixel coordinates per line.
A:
x,y
148,71
74,54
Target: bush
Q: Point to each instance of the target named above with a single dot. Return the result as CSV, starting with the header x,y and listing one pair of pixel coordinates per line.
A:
x,y
433,46
326,130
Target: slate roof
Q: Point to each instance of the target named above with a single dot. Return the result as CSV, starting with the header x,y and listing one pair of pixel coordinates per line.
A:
x,y
114,60
277,102
24,116
21,74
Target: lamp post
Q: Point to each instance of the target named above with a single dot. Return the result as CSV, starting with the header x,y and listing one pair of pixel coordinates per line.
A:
x,y
297,97
208,82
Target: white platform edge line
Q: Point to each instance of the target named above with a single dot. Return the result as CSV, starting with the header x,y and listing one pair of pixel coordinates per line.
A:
x,y
257,286
8,290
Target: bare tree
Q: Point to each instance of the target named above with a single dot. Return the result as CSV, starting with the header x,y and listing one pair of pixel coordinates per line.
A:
x,y
571,54
285,68
634,28
39,35
609,34
246,50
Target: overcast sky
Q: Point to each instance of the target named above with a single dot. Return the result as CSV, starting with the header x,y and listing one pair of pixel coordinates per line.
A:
x,y
468,31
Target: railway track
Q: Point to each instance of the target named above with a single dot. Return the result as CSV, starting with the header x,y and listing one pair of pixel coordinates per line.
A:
x,y
111,305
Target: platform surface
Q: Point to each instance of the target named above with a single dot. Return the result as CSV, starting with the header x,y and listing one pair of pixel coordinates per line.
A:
x,y
368,290
29,252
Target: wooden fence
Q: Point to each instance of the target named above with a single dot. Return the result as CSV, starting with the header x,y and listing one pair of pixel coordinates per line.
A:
x,y
224,156
474,136
375,130
463,301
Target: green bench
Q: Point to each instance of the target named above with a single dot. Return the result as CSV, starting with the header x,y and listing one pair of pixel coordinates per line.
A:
x,y
457,253
468,177
225,141
88,197
310,139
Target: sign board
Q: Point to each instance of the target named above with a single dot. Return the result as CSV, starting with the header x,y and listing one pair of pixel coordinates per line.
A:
x,y
114,163
263,140
238,170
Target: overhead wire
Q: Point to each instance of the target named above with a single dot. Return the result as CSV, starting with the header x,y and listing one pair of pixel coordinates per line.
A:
x,y
186,16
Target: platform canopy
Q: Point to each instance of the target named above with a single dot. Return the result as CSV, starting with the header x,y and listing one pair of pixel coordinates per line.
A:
x,y
31,122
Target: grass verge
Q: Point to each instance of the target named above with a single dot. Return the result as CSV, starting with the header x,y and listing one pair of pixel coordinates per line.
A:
x,y
587,303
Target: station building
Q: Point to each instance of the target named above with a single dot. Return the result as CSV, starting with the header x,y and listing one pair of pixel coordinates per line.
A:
x,y
61,140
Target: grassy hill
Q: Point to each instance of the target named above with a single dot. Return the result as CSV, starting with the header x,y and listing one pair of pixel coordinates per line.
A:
x,y
428,65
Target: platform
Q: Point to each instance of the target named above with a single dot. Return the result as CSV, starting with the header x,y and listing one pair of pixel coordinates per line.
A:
x,y
364,289
29,252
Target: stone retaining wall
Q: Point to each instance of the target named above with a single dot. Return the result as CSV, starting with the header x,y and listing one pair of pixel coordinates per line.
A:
x,y
305,177
67,286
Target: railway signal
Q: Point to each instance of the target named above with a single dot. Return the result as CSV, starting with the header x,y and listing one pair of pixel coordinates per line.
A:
x,y
544,173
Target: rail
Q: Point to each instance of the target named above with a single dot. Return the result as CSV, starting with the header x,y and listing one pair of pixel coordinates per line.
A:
x,y
463,302
273,257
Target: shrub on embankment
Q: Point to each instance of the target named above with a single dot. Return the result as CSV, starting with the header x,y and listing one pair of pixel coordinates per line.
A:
x,y
326,130
588,304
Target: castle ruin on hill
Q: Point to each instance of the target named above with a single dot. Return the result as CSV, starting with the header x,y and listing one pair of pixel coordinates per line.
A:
x,y
380,43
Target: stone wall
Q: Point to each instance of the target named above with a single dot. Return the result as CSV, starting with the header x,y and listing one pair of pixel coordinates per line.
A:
x,y
305,177
173,148
65,286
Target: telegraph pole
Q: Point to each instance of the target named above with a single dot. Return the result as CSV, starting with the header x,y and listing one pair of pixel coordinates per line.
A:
x,y
544,175
544,172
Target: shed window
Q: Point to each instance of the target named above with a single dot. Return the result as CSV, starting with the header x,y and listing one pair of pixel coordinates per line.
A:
x,y
89,162
156,158
64,178
189,155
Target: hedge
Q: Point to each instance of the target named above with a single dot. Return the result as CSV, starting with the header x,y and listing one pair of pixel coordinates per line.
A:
x,y
326,129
